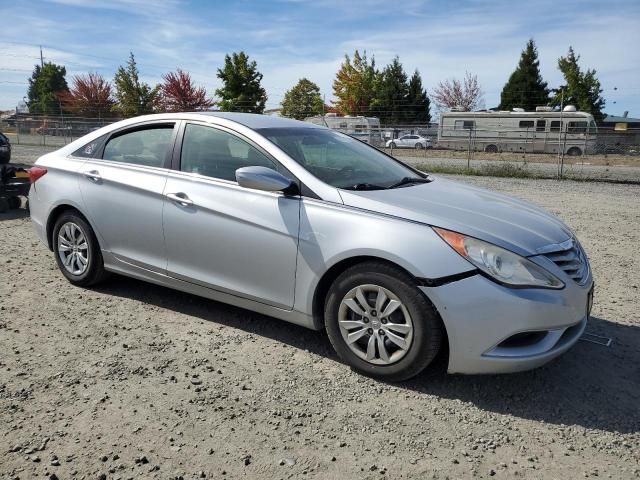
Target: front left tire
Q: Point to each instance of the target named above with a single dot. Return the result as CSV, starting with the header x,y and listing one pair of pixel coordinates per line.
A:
x,y
380,323
77,250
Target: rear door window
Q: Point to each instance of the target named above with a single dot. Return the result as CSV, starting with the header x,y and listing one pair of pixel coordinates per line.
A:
x,y
148,147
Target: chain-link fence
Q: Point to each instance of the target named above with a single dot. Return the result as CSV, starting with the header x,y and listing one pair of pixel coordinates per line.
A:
x,y
603,154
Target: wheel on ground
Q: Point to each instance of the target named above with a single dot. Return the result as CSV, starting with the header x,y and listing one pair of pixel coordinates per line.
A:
x,y
419,146
4,205
380,323
392,145
491,149
574,152
14,202
77,251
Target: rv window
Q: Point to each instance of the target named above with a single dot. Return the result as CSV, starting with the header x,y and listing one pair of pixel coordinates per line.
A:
x,y
526,123
555,126
343,125
577,127
464,125
360,128
541,125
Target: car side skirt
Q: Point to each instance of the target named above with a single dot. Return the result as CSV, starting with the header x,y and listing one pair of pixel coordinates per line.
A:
x,y
113,264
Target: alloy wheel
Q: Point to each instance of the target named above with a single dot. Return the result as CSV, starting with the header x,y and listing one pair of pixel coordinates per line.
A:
x,y
375,324
73,248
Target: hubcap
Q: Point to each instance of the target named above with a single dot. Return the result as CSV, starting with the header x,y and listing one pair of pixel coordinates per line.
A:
x,y
73,249
375,324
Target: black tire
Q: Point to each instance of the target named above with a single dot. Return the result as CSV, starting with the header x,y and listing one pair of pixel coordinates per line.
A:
x,y
14,202
4,205
427,326
94,272
419,146
491,149
392,145
574,152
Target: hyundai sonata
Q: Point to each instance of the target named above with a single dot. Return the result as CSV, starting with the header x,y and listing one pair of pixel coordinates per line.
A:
x,y
313,227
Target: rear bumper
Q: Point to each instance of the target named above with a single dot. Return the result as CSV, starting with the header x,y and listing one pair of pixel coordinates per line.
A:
x,y
495,329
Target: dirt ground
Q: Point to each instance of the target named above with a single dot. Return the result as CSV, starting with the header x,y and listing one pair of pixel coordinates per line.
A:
x,y
132,380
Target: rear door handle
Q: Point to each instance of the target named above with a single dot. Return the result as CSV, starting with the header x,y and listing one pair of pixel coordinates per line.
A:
x,y
180,198
93,175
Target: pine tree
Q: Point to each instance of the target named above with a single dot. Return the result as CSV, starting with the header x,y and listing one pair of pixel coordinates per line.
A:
x,y
355,85
525,88
582,89
46,85
419,106
133,97
392,95
241,90
302,101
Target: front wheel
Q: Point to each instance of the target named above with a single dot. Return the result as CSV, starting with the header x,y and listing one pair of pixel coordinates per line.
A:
x,y
392,145
380,323
77,251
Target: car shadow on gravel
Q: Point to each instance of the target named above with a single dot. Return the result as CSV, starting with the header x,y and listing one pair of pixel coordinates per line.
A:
x,y
14,214
591,385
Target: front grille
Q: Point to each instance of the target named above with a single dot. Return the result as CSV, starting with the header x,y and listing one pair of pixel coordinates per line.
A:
x,y
573,262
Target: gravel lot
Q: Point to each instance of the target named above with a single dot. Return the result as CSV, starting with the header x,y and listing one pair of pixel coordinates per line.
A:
x,y
134,380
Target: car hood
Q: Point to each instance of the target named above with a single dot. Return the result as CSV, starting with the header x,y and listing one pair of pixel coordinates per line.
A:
x,y
500,219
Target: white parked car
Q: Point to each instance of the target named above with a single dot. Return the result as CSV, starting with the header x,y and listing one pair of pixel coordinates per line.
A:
x,y
410,141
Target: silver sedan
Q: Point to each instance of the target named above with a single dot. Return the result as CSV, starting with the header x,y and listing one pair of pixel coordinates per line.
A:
x,y
410,141
310,226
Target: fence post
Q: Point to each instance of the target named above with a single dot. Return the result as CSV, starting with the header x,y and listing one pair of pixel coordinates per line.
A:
x,y
469,152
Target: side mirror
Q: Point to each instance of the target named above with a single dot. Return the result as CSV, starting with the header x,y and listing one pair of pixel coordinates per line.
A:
x,y
262,178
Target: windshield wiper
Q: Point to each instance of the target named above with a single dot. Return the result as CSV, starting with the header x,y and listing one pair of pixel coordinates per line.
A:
x,y
409,181
364,186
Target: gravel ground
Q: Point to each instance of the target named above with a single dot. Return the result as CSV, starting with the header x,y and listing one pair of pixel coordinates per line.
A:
x,y
134,380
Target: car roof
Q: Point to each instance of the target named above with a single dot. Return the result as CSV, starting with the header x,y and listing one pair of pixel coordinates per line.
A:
x,y
256,121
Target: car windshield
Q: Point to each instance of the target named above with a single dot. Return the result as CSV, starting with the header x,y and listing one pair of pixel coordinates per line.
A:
x,y
339,160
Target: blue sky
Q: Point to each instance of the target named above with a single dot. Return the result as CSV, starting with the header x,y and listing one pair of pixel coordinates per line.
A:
x,y
294,38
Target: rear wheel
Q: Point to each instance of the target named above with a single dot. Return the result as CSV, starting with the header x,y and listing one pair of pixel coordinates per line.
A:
x,y
77,251
380,323
419,146
574,152
491,149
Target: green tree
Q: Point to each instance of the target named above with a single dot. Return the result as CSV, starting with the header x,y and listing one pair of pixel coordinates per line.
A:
x,y
241,89
392,95
525,88
355,85
133,97
419,106
582,89
302,101
46,84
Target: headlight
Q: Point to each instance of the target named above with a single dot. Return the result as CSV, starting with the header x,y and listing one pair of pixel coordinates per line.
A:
x,y
501,265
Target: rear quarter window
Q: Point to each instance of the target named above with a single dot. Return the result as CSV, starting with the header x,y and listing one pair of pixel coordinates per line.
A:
x,y
89,150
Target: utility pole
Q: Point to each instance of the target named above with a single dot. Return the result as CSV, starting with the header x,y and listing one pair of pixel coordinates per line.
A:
x,y
41,58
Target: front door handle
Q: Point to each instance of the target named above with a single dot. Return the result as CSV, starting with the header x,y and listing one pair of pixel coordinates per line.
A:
x,y
93,175
180,198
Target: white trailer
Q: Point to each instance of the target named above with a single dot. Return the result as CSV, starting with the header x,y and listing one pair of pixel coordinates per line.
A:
x,y
542,131
365,129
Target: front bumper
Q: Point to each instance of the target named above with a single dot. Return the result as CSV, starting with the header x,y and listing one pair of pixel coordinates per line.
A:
x,y
496,329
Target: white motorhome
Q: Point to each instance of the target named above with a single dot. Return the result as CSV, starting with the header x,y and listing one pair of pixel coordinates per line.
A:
x,y
365,129
542,131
